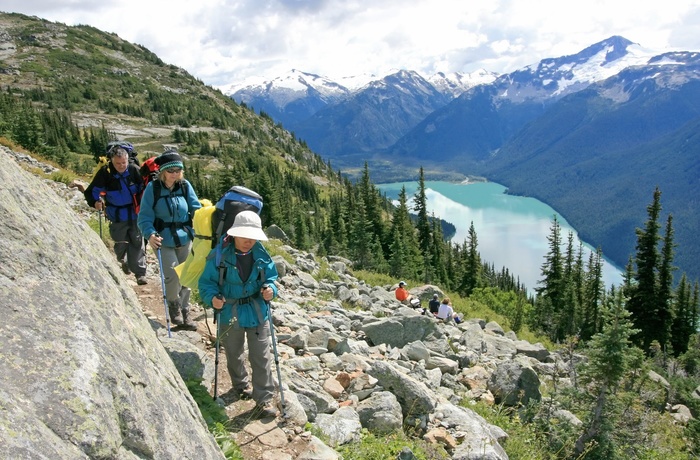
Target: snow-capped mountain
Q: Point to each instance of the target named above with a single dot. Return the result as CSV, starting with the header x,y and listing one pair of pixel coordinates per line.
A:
x,y
288,98
455,83
557,77
294,97
373,117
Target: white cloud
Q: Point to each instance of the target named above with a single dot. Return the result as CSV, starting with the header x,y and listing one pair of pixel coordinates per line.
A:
x,y
225,41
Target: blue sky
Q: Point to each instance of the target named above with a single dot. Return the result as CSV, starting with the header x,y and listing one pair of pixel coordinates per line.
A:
x,y
223,41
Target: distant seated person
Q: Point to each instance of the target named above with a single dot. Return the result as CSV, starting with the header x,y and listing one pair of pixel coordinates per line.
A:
x,y
403,296
446,313
434,305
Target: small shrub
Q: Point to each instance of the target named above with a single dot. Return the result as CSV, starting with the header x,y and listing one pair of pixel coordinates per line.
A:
x,y
389,447
327,273
62,176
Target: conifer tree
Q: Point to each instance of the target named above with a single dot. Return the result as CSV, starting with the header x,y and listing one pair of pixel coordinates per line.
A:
x,y
361,237
420,205
301,232
569,310
370,196
550,290
437,253
404,256
664,316
683,321
471,276
643,303
593,296
270,213
610,357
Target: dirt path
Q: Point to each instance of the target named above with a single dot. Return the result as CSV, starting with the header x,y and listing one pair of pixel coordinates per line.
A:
x,y
265,439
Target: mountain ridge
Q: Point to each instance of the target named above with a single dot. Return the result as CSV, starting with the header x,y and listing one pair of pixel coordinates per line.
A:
x,y
513,130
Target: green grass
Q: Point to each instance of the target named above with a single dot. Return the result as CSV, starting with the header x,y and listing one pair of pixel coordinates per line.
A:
x,y
388,447
216,419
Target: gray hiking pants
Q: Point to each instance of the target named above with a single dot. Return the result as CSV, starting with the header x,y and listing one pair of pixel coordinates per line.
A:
x,y
258,338
175,293
128,243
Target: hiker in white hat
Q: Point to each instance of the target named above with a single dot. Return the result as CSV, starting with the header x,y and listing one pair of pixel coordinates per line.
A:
x,y
241,299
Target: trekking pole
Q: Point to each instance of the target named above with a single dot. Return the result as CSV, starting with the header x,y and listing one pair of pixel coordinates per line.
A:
x,y
216,348
99,212
277,359
162,285
99,217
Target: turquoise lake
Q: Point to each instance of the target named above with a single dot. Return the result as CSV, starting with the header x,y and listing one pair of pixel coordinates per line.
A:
x,y
511,230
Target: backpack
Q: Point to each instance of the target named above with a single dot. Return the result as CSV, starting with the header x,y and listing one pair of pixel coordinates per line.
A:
x,y
210,224
235,200
149,171
128,146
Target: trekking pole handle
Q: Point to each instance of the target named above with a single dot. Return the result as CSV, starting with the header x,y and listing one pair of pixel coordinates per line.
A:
x,y
217,311
157,235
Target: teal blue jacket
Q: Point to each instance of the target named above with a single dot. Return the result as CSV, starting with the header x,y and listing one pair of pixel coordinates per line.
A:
x,y
250,312
172,213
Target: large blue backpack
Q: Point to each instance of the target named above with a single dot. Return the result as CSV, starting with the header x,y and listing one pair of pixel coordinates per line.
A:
x,y
235,200
212,224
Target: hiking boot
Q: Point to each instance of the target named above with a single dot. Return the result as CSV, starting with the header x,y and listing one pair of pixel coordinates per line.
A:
x,y
187,322
125,267
265,410
175,314
244,393
141,280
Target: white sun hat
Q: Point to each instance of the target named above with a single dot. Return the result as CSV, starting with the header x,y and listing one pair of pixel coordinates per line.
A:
x,y
247,225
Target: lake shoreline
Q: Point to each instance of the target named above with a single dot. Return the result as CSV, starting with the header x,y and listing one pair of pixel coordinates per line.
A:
x,y
511,230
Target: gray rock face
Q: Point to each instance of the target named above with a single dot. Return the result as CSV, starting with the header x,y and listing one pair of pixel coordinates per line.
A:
x,y
342,427
380,413
83,373
514,384
415,398
401,330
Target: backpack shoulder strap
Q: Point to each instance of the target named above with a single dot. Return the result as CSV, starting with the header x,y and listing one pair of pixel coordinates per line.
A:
x,y
184,184
156,192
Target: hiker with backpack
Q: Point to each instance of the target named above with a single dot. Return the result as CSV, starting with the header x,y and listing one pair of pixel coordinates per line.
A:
x,y
119,183
239,282
165,219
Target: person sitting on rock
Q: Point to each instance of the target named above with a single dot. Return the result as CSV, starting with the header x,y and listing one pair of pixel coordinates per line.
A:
x,y
446,312
403,296
434,304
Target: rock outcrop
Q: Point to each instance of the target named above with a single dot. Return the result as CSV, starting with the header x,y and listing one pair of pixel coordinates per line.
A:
x,y
83,373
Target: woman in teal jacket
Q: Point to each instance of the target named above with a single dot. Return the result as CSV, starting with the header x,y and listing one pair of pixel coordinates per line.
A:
x,y
165,220
239,282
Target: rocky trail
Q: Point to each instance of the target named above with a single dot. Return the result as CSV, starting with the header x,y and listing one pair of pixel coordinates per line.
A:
x,y
264,439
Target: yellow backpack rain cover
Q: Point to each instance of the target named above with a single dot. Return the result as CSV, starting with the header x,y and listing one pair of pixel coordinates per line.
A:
x,y
191,269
